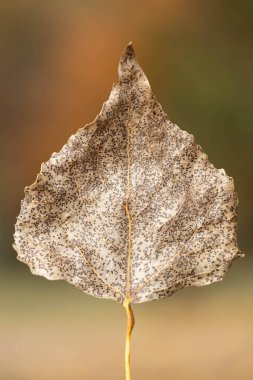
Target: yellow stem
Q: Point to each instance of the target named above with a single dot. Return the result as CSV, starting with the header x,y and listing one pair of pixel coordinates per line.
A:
x,y
130,326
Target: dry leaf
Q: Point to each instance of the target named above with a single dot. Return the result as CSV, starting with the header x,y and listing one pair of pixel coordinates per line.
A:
x,y
130,208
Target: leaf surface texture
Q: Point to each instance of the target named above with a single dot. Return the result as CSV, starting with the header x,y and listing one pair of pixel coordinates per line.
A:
x,y
130,207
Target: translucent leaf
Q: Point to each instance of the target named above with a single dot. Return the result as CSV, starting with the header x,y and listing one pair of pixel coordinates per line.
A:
x,y
130,208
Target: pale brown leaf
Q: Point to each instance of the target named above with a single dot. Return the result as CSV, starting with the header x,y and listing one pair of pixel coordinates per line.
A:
x,y
130,207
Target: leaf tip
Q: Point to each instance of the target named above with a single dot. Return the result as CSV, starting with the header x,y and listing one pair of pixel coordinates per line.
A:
x,y
127,55
127,63
129,68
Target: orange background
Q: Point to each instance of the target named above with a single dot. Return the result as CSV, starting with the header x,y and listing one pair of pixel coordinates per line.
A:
x,y
58,60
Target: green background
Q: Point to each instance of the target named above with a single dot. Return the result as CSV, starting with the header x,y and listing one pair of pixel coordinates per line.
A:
x,y
58,60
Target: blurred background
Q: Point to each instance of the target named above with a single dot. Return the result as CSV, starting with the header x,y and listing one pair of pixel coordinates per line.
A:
x,y
58,60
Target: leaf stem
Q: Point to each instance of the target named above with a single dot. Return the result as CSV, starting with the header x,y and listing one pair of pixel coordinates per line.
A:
x,y
130,326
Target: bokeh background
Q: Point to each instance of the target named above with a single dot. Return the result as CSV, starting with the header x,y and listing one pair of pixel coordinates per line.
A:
x,y
58,60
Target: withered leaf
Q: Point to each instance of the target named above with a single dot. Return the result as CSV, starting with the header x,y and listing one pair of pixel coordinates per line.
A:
x,y
130,207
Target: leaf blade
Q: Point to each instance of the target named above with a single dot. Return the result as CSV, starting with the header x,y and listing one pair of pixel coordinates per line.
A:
x,y
130,208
